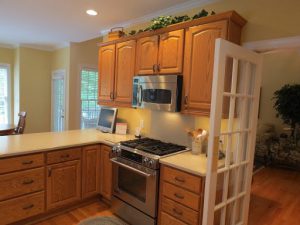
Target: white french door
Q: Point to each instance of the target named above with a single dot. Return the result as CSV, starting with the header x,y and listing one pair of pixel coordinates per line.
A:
x,y
58,101
233,121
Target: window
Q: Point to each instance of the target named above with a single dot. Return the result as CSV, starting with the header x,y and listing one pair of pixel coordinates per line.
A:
x,y
4,94
89,98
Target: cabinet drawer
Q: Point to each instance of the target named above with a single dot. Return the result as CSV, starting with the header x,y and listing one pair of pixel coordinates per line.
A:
x,y
21,163
63,155
184,197
22,208
19,183
169,220
182,179
179,211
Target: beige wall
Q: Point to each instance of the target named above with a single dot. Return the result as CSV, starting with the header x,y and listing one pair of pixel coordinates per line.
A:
x,y
35,88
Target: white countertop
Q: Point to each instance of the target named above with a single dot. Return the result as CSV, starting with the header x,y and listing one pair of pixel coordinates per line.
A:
x,y
188,162
37,142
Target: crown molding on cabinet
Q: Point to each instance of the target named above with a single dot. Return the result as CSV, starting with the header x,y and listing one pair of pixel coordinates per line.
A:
x,y
168,11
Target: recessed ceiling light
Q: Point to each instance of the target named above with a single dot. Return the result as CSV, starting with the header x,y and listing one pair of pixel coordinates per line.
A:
x,y
91,12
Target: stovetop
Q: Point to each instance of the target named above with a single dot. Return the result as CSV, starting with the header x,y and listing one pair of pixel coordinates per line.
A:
x,y
153,146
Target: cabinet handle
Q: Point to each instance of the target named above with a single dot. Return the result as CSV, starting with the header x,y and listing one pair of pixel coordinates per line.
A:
x,y
65,156
179,196
29,181
28,206
153,68
186,98
111,95
49,172
158,67
27,162
177,212
179,179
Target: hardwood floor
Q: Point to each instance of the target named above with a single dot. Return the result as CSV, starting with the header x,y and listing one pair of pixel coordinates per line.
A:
x,y
275,201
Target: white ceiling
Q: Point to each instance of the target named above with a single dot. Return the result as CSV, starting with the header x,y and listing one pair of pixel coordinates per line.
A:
x,y
51,24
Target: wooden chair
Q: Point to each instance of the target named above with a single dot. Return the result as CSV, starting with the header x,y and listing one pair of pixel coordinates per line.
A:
x,y
20,127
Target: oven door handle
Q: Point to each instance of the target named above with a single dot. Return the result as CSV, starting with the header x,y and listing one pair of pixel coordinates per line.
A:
x,y
131,168
140,94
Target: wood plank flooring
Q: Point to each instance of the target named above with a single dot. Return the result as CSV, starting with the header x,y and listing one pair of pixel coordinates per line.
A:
x,y
275,201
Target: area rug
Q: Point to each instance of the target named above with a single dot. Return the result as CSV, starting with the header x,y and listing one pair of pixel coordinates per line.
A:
x,y
103,220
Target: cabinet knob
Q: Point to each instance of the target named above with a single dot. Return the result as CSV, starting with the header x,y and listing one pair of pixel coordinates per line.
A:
x,y
28,181
180,179
27,162
179,196
28,206
178,212
186,98
49,172
111,95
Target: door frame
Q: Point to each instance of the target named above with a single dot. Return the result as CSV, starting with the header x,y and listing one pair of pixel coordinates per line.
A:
x,y
61,73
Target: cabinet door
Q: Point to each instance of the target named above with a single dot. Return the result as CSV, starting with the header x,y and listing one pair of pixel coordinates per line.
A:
x,y
106,73
170,56
63,184
199,61
146,55
90,170
106,173
125,62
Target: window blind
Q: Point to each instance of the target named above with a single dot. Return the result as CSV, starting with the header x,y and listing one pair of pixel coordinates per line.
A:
x,y
4,101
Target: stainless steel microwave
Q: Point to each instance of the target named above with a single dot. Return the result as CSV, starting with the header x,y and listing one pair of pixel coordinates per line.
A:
x,y
158,92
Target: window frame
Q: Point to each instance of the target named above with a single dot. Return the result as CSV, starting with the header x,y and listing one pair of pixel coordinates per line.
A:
x,y
9,92
85,67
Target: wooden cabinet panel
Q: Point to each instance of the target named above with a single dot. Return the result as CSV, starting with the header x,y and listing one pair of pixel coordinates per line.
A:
x,y
184,197
90,170
22,208
63,183
106,73
63,155
23,182
169,220
146,55
170,56
179,211
106,172
21,163
125,62
198,69
182,179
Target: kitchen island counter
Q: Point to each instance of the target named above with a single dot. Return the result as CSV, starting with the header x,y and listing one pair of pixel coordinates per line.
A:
x,y
14,145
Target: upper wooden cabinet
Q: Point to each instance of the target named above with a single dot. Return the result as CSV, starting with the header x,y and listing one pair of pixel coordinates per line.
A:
x,y
146,55
124,72
160,54
116,70
198,70
170,55
106,73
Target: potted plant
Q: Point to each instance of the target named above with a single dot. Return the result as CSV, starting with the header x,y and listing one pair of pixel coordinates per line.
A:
x,y
287,105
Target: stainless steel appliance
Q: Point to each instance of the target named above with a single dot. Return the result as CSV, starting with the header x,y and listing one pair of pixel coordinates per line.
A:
x,y
157,92
136,177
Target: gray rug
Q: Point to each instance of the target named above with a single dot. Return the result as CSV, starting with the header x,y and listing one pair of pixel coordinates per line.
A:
x,y
103,220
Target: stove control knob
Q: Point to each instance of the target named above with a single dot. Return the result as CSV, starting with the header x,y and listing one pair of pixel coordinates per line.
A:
x,y
145,161
151,163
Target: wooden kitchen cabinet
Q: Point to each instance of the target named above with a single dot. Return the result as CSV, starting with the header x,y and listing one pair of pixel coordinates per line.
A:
x,y
160,54
124,72
170,54
90,171
198,69
106,172
146,55
106,73
63,183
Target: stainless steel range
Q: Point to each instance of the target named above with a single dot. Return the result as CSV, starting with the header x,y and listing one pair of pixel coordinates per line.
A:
x,y
136,177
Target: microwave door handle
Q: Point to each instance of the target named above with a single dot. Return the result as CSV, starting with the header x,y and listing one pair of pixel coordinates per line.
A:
x,y
140,95
130,168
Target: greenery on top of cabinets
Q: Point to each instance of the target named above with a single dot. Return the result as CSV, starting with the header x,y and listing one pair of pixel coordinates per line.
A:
x,y
164,21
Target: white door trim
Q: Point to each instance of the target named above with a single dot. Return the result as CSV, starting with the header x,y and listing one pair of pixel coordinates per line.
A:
x,y
61,73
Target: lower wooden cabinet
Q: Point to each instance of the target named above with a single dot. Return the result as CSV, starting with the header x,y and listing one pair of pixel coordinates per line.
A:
x,y
63,183
106,173
90,170
21,208
181,197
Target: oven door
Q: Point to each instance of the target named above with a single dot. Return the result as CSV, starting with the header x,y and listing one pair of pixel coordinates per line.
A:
x,y
135,185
